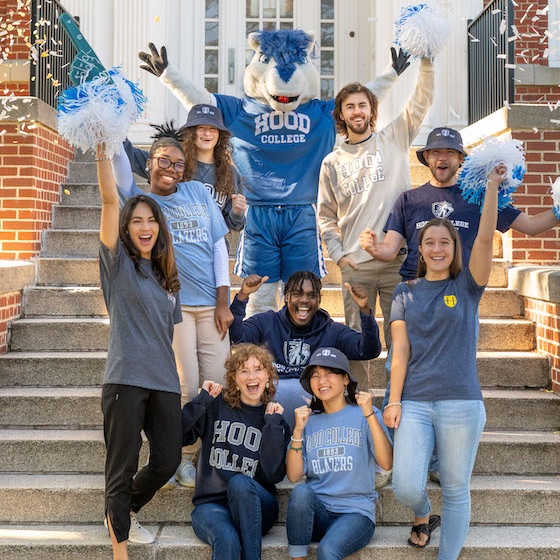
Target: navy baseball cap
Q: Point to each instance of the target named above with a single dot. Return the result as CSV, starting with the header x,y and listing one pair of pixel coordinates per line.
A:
x,y
205,115
442,137
330,358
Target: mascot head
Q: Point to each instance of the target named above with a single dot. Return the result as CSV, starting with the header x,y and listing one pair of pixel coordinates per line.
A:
x,y
281,73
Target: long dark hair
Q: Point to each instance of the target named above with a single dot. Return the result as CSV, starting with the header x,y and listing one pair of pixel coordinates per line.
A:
x,y
162,257
354,87
222,159
457,263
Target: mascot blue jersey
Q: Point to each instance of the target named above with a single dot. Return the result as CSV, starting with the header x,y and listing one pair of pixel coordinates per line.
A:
x,y
264,141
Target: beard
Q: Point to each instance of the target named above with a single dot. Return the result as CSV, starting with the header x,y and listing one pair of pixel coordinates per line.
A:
x,y
358,129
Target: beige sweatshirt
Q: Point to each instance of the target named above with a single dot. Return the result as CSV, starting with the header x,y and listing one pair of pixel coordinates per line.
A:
x,y
360,183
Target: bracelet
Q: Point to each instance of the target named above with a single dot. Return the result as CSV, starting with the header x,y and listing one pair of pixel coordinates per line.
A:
x,y
102,159
393,404
295,448
370,414
298,440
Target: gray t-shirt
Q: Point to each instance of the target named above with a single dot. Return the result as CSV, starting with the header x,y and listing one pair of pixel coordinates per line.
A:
x,y
142,316
441,320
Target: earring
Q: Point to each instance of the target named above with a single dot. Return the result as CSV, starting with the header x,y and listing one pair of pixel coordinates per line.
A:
x,y
346,390
238,389
267,385
421,257
314,399
147,169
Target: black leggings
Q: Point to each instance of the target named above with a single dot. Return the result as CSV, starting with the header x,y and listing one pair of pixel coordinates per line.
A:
x,y
126,411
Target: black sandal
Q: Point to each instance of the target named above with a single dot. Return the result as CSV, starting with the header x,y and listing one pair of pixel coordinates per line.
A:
x,y
426,529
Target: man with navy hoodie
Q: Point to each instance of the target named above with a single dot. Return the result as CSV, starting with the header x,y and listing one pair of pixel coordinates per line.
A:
x,y
298,329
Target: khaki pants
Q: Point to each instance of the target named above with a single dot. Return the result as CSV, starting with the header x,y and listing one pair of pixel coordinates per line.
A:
x,y
377,278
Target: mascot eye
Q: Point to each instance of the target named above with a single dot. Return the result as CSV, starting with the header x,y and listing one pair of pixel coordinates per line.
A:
x,y
263,58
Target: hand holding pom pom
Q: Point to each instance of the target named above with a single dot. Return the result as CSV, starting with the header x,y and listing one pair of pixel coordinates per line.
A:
x,y
421,31
491,159
556,197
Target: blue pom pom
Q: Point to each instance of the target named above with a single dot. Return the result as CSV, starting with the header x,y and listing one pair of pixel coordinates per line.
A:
x,y
480,162
100,111
556,197
421,31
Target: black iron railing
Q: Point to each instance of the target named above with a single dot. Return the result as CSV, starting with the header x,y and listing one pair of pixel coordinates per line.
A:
x,y
51,52
490,59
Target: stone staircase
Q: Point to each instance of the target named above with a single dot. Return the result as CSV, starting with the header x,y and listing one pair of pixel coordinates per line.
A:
x,y
51,444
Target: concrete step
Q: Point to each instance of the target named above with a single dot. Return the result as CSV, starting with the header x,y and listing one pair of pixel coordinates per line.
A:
x,y
82,334
52,369
77,301
177,542
82,172
67,271
88,301
76,217
60,334
496,500
83,451
70,243
79,407
508,370
80,194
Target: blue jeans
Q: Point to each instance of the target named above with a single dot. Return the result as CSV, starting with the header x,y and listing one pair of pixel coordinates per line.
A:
x,y
339,534
235,531
454,428
434,462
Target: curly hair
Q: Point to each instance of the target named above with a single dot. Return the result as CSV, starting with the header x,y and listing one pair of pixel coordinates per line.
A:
x,y
354,87
162,257
225,182
240,353
296,280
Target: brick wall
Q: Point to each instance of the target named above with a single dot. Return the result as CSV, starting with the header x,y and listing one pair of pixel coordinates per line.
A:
x,y
14,42
546,316
533,196
33,164
10,308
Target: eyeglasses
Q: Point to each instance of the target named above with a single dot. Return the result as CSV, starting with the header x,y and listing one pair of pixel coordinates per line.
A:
x,y
165,163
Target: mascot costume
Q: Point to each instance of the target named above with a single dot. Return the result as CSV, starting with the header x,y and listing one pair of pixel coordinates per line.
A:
x,y
281,133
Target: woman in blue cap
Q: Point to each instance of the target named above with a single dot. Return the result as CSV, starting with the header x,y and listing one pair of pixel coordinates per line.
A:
x,y
336,443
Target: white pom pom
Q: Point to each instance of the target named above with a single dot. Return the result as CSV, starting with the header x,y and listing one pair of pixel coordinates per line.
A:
x,y
479,163
421,31
99,112
556,197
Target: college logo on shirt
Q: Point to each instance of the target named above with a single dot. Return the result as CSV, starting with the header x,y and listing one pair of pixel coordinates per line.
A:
x,y
450,301
296,352
442,209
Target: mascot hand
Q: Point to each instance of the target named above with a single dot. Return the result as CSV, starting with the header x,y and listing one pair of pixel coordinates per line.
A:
x,y
156,62
400,61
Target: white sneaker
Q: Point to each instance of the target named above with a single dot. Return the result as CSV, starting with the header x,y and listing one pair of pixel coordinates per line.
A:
x,y
137,533
382,478
186,473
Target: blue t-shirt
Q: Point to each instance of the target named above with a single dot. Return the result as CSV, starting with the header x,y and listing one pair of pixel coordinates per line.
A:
x,y
195,223
415,208
441,319
279,154
339,460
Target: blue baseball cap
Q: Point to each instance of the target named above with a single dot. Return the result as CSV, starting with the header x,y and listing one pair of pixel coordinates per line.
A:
x,y
442,137
205,115
330,358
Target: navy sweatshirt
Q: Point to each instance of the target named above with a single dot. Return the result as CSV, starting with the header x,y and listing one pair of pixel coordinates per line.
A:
x,y
292,346
234,441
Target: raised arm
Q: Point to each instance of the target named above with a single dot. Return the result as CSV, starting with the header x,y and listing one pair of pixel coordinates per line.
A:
x,y
480,262
109,228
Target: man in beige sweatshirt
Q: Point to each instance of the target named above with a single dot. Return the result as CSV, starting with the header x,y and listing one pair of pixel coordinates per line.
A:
x,y
359,183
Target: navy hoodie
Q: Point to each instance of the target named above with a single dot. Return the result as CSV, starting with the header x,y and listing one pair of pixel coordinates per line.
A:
x,y
292,346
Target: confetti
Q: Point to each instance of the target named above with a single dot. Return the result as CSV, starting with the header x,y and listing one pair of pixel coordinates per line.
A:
x,y
66,192
157,19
